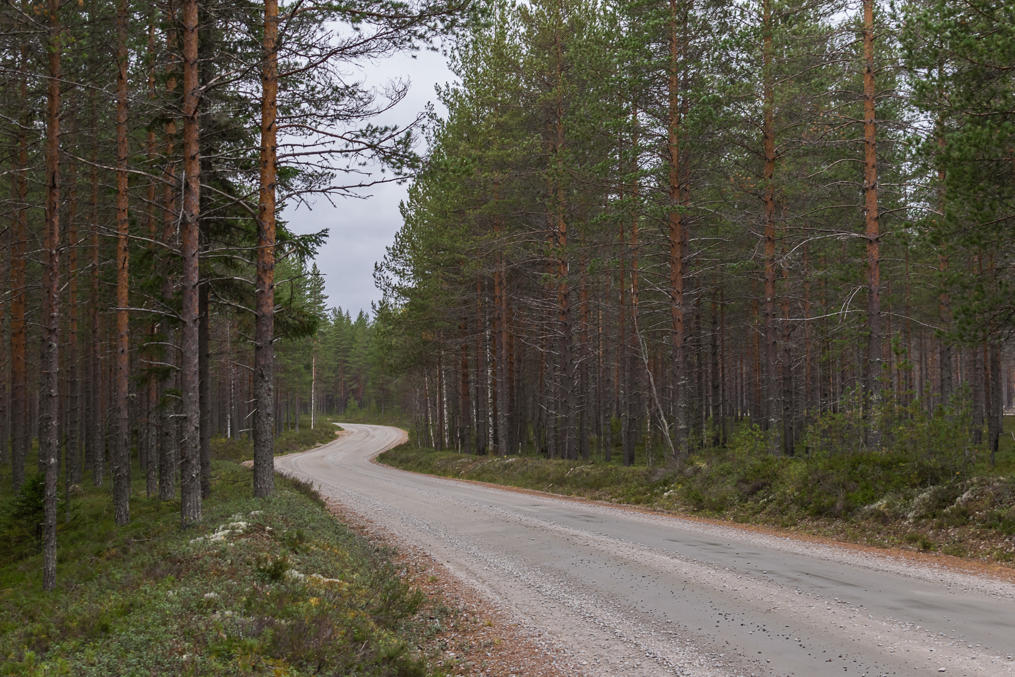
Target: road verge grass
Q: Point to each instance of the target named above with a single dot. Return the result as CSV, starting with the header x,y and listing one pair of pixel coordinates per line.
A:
x,y
259,587
895,499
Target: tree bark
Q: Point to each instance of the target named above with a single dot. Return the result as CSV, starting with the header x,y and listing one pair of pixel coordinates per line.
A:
x,y
49,439
121,464
169,439
97,420
264,356
5,402
150,441
190,470
677,238
73,469
771,378
204,371
631,348
871,208
19,247
994,399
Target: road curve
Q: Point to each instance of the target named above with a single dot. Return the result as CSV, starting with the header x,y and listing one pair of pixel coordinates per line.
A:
x,y
628,593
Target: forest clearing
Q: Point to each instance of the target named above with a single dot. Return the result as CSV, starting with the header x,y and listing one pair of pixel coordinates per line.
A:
x,y
748,261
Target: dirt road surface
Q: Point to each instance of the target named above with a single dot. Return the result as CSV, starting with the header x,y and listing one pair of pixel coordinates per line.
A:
x,y
623,592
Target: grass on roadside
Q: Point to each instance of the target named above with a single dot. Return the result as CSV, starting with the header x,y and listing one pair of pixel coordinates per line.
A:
x,y
259,587
909,499
298,439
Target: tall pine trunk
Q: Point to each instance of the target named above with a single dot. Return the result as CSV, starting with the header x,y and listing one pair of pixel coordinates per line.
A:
x,y
204,373
872,225
168,438
150,440
19,326
190,469
121,463
264,356
49,438
677,233
771,377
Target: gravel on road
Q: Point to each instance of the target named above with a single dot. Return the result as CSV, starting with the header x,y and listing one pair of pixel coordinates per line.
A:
x,y
610,591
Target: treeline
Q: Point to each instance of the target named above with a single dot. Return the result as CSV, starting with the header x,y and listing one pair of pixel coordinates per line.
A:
x,y
642,223
336,370
147,149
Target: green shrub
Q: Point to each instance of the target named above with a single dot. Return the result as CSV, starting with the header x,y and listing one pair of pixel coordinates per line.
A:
x,y
21,518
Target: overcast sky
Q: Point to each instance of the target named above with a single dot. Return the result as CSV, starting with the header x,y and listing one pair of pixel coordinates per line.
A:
x,y
360,229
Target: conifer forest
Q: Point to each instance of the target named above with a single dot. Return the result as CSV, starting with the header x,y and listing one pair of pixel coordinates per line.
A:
x,y
151,297
642,225
633,228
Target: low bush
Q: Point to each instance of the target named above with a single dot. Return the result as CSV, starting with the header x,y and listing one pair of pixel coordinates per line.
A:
x,y
259,587
922,476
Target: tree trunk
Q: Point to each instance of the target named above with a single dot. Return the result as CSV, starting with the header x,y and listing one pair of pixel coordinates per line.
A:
x,y
204,369
190,470
97,420
992,396
49,439
265,292
677,239
19,247
121,462
5,403
786,371
944,345
771,378
500,314
73,466
871,209
150,442
169,439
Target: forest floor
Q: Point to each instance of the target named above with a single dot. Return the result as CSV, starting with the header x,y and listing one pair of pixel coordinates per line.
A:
x,y
258,587
868,499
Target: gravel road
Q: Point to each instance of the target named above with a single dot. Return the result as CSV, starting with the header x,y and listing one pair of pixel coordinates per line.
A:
x,y
622,592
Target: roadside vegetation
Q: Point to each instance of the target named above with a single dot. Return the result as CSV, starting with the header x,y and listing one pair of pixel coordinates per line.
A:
x,y
922,492
258,587
299,438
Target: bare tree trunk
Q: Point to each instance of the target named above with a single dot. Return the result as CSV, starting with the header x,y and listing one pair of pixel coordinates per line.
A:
x,y
994,397
169,439
786,371
871,209
563,442
264,480
500,315
150,441
190,470
5,403
621,379
97,420
463,390
313,386
49,438
74,468
944,345
19,246
716,408
204,370
677,239
771,403
121,460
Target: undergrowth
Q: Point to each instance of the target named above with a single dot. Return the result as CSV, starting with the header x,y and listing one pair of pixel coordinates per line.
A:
x,y
241,448
926,487
259,587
